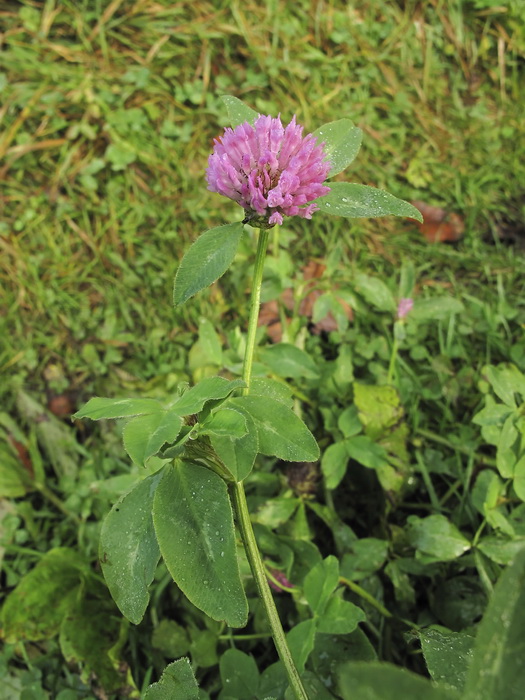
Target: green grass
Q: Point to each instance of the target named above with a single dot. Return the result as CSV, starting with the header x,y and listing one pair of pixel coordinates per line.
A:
x,y
107,116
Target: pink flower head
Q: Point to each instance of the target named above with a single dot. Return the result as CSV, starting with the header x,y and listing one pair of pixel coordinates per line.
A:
x,y
404,307
270,170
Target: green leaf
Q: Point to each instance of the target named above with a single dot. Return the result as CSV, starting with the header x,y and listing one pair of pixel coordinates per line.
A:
x,y
340,617
35,609
375,292
193,521
225,422
381,681
435,309
281,433
320,583
286,360
497,670
206,260
238,112
145,435
171,639
128,549
356,201
177,681
276,511
506,380
447,655
239,675
238,454
365,557
342,142
88,636
14,479
365,451
209,389
301,640
501,550
97,408
333,464
437,536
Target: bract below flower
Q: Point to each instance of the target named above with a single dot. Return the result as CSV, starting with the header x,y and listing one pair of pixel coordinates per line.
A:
x,y
270,170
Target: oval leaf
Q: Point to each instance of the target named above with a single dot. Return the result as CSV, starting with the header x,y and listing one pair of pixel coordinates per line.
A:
x,y
208,389
281,433
238,454
177,681
356,201
194,525
206,260
144,435
98,408
238,112
128,549
286,360
342,143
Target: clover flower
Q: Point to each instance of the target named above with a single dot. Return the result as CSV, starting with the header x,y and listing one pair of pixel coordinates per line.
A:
x,y
270,170
404,307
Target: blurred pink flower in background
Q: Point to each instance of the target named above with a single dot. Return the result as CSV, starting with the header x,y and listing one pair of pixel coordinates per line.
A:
x,y
270,170
404,307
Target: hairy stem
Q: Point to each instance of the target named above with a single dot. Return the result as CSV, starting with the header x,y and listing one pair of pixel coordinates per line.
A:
x,y
239,497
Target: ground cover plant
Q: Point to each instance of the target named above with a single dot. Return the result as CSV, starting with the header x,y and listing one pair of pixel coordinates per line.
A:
x,y
396,557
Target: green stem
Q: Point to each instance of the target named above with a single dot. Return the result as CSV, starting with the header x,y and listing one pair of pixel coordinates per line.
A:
x,y
239,497
259,574
393,358
254,307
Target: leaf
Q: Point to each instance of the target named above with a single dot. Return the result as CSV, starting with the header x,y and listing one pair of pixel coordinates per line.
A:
x,y
365,557
239,675
128,549
497,670
435,309
15,481
320,583
447,655
35,609
356,201
506,380
238,112
375,292
301,640
171,639
145,435
177,681
365,451
281,433
206,260
225,422
333,464
193,521
209,389
88,635
381,681
342,143
340,617
500,550
286,360
238,454
437,536
98,408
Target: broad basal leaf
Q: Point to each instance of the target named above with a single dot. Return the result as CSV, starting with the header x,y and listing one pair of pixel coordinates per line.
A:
x,y
281,433
342,142
286,360
447,655
355,201
436,536
206,260
128,549
194,526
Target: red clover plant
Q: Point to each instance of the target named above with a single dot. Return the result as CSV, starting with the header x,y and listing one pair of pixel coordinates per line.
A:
x,y
211,433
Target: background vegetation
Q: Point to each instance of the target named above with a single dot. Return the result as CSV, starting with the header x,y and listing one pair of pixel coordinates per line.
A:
x,y
108,113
